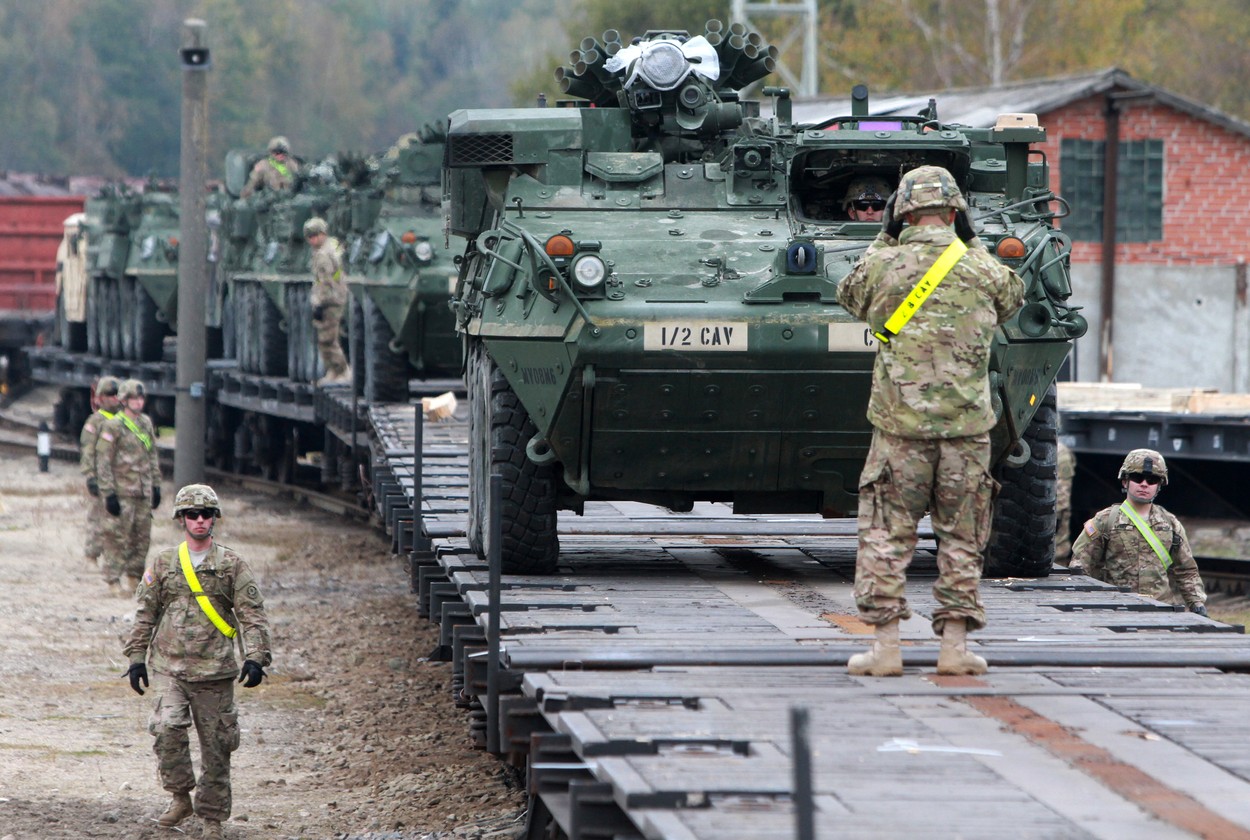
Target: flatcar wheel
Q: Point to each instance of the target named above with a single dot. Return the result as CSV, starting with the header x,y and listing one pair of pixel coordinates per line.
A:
x,y
1022,539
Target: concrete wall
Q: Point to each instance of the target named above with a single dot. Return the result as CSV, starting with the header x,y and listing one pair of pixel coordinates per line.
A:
x,y
1175,327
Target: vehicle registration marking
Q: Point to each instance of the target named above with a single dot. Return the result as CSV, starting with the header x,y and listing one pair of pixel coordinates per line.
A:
x,y
695,335
853,337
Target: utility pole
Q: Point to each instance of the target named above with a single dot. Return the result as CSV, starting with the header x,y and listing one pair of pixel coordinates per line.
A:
x,y
805,24
189,410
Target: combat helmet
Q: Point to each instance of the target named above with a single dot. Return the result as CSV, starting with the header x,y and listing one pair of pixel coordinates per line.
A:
x,y
867,188
279,144
195,497
314,226
927,188
1146,462
107,386
131,388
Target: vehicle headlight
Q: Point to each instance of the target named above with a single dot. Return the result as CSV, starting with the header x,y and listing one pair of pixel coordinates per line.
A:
x,y
148,248
424,250
589,271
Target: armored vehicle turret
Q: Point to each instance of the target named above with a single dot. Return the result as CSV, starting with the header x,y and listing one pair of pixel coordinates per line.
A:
x,y
649,297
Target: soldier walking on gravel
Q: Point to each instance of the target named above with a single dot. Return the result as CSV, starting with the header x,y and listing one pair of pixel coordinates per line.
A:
x,y
329,296
129,478
106,407
275,172
933,296
1138,543
196,602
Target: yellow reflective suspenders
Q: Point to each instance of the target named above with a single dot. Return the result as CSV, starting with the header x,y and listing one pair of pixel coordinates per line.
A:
x,y
1147,533
188,571
130,424
936,273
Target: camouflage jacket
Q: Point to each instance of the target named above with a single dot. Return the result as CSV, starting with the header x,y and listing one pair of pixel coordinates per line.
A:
x,y
1111,549
124,464
268,174
329,287
1065,460
932,380
171,631
87,441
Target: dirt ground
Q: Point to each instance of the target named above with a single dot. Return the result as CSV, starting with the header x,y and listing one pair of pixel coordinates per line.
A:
x,y
353,735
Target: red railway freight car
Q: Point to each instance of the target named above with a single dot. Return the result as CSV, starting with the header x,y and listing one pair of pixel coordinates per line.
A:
x,y
31,228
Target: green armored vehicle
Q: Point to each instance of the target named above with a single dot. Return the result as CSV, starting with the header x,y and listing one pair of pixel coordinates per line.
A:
x,y
649,298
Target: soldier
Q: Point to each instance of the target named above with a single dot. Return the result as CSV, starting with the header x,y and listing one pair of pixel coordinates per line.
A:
x,y
130,483
106,407
195,601
329,295
1066,461
865,199
1137,543
931,413
275,172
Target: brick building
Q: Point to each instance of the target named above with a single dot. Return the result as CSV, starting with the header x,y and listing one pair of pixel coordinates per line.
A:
x,y
1171,277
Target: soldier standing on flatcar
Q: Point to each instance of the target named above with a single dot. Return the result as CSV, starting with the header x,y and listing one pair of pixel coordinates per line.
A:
x,y
931,413
195,602
130,484
329,296
1065,461
275,172
1138,543
106,407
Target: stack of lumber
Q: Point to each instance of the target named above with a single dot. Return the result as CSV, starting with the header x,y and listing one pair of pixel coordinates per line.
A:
x,y
1118,396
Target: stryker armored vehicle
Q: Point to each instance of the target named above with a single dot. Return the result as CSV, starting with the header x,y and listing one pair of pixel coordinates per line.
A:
x,y
649,298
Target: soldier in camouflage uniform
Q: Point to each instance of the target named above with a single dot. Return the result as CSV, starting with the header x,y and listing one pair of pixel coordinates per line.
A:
x,y
275,172
1116,546
130,483
1066,461
329,296
106,407
931,416
190,644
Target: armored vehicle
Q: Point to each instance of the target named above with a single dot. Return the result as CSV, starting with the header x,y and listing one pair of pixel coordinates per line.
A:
x,y
649,298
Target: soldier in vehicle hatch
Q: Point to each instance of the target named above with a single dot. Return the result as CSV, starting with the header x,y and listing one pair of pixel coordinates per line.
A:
x,y
1137,543
129,477
931,413
106,407
275,172
189,639
865,199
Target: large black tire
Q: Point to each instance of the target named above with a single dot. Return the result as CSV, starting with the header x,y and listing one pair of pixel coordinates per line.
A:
x,y
1022,540
127,288
70,335
271,348
386,372
499,431
356,344
93,315
301,340
229,328
149,331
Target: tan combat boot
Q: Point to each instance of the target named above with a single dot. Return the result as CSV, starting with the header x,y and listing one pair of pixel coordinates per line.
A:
x,y
884,659
953,658
179,809
212,831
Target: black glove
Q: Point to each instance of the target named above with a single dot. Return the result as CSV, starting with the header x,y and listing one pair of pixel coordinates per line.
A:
x,y
963,226
251,674
318,311
138,673
156,495
93,487
892,227
1199,609
112,505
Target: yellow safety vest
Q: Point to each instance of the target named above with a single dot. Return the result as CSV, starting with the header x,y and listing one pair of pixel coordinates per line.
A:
x,y
936,273
188,571
1143,528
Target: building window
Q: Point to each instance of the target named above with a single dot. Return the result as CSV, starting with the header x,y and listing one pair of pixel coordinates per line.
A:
x,y
1139,195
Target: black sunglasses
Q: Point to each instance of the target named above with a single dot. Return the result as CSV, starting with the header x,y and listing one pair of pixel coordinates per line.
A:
x,y
866,204
200,513
1152,480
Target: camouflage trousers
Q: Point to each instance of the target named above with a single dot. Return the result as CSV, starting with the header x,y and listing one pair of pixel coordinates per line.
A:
x,y
210,706
126,538
328,340
903,478
93,545
1063,535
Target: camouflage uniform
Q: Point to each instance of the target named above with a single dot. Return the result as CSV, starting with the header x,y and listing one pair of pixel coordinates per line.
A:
x,y
128,468
931,414
270,173
1111,549
1063,504
329,292
88,440
196,666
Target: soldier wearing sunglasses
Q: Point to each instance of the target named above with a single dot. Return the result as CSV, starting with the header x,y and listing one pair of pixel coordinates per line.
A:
x,y
1137,543
197,604
865,199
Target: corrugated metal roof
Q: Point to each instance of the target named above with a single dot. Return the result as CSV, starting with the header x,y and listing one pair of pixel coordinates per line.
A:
x,y
980,107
